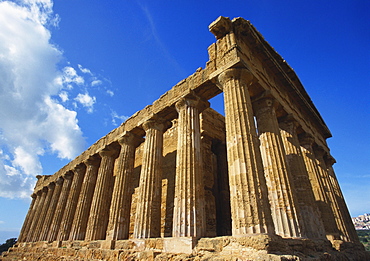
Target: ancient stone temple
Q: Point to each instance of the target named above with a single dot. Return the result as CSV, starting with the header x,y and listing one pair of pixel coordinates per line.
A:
x,y
178,180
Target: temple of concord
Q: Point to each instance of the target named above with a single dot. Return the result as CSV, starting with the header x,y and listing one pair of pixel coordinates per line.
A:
x,y
179,180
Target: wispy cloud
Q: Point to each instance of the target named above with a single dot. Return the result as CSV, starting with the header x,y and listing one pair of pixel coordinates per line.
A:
x,y
118,119
157,39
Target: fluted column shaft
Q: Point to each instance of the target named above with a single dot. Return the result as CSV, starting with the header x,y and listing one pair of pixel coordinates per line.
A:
x,y
57,219
99,212
65,226
51,209
351,234
281,191
189,216
43,213
42,195
344,229
318,187
250,208
78,230
148,212
119,216
314,227
28,220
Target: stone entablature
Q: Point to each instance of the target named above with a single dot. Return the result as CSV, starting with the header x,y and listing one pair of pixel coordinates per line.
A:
x,y
179,171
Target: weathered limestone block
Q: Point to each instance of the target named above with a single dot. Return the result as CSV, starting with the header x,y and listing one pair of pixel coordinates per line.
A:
x,y
314,228
281,190
57,219
78,230
148,209
189,216
71,204
250,209
99,211
119,217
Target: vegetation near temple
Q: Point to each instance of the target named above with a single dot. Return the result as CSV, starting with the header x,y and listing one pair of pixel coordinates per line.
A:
x,y
8,244
364,236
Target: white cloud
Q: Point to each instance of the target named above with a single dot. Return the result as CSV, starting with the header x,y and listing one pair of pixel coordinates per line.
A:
x,y
87,101
117,119
2,222
96,82
63,96
70,76
110,93
84,70
32,122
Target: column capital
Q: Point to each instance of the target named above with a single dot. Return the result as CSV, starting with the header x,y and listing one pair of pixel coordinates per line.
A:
x,y
191,100
68,175
236,73
51,185
59,181
264,103
80,168
34,195
319,152
108,152
128,138
288,123
329,160
306,139
93,160
154,123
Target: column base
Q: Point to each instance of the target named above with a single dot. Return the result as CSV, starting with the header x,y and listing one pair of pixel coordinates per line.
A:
x,y
251,247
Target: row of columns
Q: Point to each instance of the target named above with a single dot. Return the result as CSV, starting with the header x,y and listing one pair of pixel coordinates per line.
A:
x,y
278,184
274,174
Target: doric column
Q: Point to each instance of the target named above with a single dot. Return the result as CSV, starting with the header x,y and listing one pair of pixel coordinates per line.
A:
x,y
65,227
148,212
57,219
41,195
189,216
51,210
314,228
81,217
351,234
283,200
119,217
43,213
250,208
327,216
28,220
332,195
99,212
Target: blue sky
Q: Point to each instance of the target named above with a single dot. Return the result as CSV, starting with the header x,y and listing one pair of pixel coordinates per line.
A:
x,y
71,71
